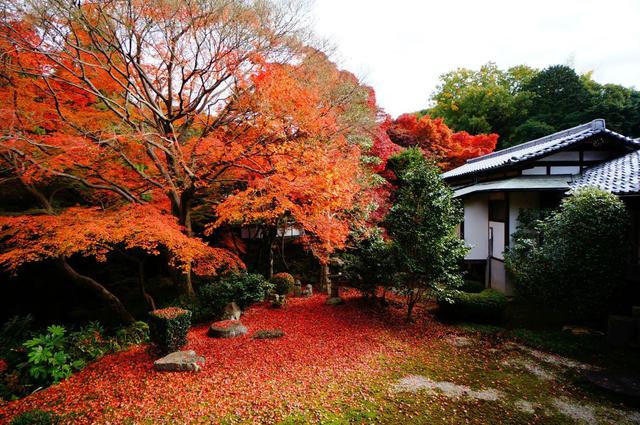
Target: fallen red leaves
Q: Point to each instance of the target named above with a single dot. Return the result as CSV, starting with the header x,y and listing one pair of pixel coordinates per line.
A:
x,y
325,353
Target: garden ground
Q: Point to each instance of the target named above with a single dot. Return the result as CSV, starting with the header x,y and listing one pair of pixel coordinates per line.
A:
x,y
352,363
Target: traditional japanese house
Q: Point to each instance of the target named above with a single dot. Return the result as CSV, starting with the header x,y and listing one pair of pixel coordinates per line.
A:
x,y
494,188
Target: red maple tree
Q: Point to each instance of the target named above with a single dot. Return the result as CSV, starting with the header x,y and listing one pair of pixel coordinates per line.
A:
x,y
437,141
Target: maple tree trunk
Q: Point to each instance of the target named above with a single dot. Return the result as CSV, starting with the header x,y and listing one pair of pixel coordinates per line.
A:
x,y
412,300
410,306
270,235
88,283
183,212
145,294
325,281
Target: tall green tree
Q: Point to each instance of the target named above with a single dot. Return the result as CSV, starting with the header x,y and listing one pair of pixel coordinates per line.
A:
x,y
488,100
559,97
618,105
422,225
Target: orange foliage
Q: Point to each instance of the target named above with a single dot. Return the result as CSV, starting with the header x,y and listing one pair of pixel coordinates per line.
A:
x,y
309,172
283,140
93,233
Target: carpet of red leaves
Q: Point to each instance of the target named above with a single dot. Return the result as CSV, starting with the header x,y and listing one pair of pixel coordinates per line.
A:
x,y
326,354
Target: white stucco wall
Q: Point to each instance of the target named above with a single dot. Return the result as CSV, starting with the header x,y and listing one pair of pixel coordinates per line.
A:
x,y
476,219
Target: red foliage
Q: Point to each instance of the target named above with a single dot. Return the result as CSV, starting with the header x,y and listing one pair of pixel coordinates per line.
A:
x,y
169,312
324,360
438,141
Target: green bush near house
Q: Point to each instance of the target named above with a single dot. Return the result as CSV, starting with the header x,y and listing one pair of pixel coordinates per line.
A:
x,y
35,417
168,328
574,259
472,286
487,306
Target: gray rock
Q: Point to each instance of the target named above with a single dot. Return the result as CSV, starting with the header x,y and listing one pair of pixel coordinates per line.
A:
x,y
279,301
227,329
625,385
334,301
180,361
307,291
297,289
231,312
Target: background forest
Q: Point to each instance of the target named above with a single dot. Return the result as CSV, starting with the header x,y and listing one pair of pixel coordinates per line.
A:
x,y
522,103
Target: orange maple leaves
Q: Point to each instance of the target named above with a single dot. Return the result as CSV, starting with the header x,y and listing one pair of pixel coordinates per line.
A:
x,y
94,233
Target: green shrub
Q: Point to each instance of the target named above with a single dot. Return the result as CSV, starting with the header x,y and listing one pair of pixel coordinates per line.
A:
x,y
282,283
472,286
47,357
54,355
35,417
168,328
486,306
574,259
367,264
243,288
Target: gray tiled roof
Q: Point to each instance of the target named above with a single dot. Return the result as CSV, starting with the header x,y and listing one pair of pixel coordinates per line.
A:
x,y
535,148
520,183
620,176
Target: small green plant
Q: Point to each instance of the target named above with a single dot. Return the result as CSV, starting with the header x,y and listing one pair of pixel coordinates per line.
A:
x,y
134,334
426,249
87,343
168,328
48,361
282,283
35,417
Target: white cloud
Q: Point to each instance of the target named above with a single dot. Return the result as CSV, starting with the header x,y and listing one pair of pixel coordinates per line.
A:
x,y
401,47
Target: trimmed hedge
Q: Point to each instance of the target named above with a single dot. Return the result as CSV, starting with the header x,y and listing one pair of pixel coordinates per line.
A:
x,y
486,306
168,328
283,283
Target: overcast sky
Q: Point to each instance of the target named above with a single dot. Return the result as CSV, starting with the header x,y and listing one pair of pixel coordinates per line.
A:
x,y
400,47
